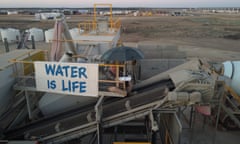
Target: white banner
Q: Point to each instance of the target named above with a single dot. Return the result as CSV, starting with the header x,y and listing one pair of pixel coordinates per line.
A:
x,y
67,78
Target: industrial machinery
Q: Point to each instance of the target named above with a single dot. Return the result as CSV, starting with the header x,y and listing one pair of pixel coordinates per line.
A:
x,y
58,95
230,114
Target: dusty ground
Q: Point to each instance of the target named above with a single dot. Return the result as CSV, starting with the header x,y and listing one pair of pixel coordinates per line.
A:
x,y
215,37
212,36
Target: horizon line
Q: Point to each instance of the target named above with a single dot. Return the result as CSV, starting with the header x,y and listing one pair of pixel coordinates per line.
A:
x,y
128,7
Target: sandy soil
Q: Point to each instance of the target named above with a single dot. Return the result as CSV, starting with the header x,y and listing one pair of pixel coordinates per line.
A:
x,y
212,36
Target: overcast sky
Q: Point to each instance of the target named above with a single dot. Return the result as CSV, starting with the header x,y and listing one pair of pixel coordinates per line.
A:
x,y
120,3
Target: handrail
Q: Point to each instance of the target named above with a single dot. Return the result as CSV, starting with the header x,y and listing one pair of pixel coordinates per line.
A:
x,y
92,25
66,40
114,82
102,4
28,53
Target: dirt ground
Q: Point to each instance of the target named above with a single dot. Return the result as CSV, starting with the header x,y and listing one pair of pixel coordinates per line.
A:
x,y
211,36
215,37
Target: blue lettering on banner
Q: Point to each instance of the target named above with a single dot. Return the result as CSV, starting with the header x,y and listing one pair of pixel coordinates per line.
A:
x,y
83,87
74,86
59,71
51,84
82,72
67,85
74,71
52,69
66,70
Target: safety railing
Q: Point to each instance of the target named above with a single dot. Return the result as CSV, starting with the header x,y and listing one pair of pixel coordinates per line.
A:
x,y
111,76
116,24
23,65
89,26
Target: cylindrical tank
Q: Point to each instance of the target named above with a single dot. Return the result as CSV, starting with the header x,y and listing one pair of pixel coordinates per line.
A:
x,y
232,71
49,35
37,33
11,34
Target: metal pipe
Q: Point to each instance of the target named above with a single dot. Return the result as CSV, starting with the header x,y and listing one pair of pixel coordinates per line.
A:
x,y
67,35
6,45
33,42
98,110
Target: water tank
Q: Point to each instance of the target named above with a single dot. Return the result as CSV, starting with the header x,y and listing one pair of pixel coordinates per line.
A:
x,y
49,35
232,71
37,33
11,34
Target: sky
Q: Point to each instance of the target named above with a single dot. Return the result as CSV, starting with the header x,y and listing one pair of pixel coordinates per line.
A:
x,y
120,3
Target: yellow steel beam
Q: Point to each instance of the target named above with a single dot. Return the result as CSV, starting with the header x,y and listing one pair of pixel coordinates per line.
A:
x,y
233,93
95,12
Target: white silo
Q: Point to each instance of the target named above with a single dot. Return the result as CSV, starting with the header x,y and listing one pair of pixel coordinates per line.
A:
x,y
37,33
232,71
49,35
11,34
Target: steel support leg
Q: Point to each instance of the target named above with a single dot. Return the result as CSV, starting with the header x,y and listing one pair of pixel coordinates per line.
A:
x,y
98,110
28,105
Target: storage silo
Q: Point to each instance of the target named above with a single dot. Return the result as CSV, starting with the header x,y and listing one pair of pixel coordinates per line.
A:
x,y
37,33
11,34
232,71
49,35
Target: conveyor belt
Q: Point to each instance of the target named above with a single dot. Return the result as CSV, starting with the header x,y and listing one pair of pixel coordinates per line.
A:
x,y
75,123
